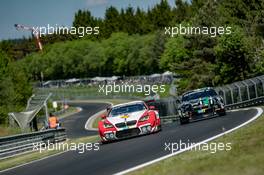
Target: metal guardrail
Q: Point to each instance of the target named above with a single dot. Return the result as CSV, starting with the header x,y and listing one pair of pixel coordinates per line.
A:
x,y
237,95
242,91
240,94
23,143
244,104
247,103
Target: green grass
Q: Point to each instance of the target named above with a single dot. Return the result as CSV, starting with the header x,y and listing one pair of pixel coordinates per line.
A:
x,y
95,123
246,156
6,131
166,93
70,111
18,160
9,131
92,93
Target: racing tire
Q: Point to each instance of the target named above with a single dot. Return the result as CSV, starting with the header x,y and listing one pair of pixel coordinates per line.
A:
x,y
184,121
159,128
222,113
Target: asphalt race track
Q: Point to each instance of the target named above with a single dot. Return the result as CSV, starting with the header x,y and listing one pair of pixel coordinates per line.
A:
x,y
119,156
75,124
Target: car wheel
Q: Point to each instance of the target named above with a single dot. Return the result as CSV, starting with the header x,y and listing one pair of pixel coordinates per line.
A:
x,y
222,113
159,128
184,121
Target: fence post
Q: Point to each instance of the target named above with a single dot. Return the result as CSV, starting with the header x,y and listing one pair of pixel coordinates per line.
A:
x,y
262,82
247,89
232,94
255,87
239,91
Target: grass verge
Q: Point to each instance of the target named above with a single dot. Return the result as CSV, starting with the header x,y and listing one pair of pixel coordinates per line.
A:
x,y
93,92
6,130
246,156
70,111
29,157
9,131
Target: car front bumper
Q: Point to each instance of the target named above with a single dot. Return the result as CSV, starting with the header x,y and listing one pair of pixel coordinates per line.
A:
x,y
129,132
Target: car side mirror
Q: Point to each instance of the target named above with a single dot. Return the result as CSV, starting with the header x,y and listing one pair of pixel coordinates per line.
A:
x,y
103,116
152,107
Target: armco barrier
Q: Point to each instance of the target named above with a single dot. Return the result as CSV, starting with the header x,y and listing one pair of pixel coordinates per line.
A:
x,y
22,143
246,93
248,103
237,95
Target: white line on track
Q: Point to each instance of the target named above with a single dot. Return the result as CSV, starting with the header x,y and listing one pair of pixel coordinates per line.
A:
x,y
260,111
17,166
89,123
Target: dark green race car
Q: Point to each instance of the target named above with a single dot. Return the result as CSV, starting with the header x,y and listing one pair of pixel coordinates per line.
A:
x,y
200,103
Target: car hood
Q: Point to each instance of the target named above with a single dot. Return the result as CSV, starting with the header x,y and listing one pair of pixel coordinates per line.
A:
x,y
195,102
130,116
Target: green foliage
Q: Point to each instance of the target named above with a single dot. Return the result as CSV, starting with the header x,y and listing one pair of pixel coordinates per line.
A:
x,y
175,53
120,54
259,67
182,11
14,87
132,42
233,57
161,15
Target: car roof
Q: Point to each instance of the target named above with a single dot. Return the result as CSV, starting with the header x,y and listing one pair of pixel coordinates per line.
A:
x,y
197,90
129,103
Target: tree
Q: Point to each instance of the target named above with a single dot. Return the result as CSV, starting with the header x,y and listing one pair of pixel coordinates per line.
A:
x,y
233,57
153,53
143,25
174,54
111,21
129,23
181,12
160,15
14,87
83,19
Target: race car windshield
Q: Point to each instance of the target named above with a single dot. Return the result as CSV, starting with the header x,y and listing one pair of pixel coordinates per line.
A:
x,y
197,95
127,109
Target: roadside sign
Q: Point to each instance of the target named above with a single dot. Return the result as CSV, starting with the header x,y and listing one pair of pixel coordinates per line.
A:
x,y
55,104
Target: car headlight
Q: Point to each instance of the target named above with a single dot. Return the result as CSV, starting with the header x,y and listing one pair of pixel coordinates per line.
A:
x,y
108,125
187,108
144,118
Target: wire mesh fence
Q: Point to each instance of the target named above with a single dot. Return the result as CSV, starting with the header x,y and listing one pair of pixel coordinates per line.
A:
x,y
240,94
242,91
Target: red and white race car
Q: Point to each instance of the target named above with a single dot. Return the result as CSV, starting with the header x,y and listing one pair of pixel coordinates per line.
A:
x,y
129,120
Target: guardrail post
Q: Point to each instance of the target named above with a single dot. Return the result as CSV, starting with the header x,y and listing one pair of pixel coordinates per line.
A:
x,y
255,87
239,92
248,94
232,94
224,95
22,143
262,82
